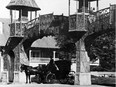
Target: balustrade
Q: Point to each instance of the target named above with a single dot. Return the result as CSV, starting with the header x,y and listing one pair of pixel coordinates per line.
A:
x,y
17,29
102,20
40,59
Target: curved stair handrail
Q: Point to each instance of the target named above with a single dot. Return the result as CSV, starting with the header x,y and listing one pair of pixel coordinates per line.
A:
x,y
102,20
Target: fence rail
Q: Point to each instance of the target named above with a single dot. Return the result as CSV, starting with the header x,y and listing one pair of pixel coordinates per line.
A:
x,y
104,73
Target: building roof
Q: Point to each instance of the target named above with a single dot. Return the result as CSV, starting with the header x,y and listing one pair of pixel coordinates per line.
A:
x,y
88,0
45,42
92,0
5,31
29,5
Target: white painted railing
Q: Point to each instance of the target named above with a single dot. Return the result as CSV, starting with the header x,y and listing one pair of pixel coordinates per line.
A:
x,y
105,74
40,59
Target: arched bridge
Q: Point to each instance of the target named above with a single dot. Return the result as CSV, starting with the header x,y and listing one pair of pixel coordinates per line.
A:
x,y
44,25
99,22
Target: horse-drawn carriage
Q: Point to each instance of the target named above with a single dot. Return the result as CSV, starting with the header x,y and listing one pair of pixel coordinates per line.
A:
x,y
62,73
54,71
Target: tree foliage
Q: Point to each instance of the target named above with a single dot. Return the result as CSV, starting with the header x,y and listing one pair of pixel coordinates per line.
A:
x,y
103,48
66,44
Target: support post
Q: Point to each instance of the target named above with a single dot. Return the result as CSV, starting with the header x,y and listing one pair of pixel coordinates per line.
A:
x,y
11,16
97,5
30,16
1,65
69,7
54,55
82,76
89,5
35,14
30,56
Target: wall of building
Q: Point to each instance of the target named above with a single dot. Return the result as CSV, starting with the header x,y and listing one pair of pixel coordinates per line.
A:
x,y
4,30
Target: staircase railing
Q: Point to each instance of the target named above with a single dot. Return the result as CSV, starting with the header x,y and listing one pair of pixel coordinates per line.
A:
x,y
32,23
102,13
100,21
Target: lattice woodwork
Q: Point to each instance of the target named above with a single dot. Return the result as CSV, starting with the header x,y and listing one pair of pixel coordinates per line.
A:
x,y
103,21
15,30
81,21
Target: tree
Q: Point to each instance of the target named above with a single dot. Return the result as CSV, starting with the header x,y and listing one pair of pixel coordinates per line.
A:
x,y
104,48
66,44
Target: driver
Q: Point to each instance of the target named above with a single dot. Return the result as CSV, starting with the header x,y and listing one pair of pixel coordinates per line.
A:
x,y
52,66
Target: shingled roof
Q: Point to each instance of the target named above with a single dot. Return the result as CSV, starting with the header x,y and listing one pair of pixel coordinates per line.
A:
x,y
45,42
29,5
88,0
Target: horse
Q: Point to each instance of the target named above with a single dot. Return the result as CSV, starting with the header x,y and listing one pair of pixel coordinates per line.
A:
x,y
29,70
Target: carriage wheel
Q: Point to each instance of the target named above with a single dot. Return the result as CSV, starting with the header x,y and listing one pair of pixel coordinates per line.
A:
x,y
50,78
70,80
71,77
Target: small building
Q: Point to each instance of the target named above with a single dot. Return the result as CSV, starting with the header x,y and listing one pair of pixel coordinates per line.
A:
x,y
42,49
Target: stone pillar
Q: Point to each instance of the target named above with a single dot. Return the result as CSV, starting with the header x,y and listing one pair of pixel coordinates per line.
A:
x,y
82,76
11,68
19,77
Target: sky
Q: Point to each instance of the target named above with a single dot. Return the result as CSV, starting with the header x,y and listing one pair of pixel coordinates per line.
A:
x,y
53,6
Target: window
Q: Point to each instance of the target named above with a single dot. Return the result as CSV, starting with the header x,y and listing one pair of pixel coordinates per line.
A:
x,y
40,53
1,28
36,54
